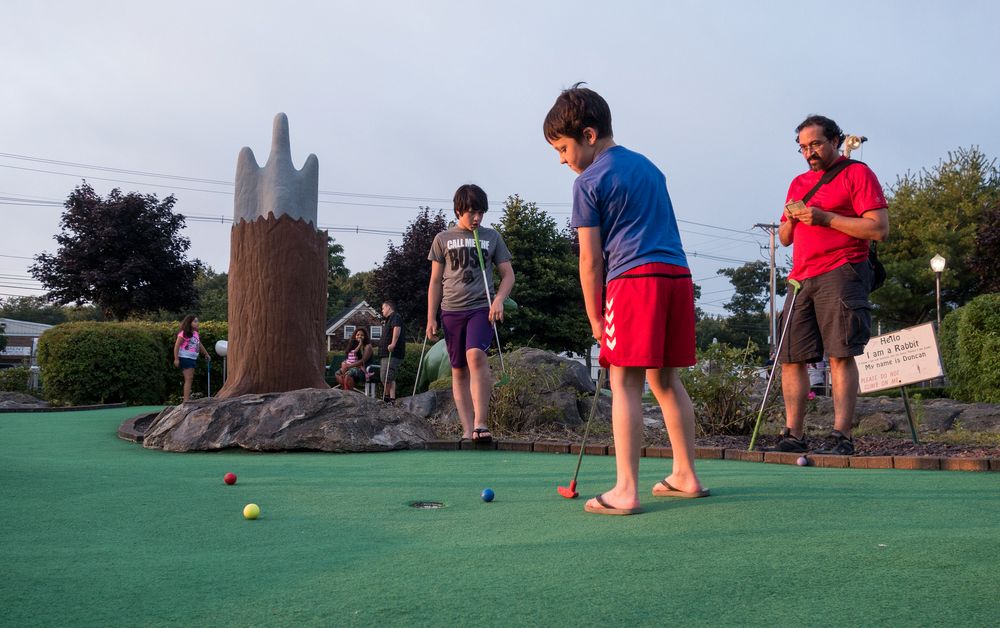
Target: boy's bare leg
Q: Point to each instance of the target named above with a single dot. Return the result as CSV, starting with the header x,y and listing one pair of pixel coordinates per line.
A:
x,y
463,398
678,417
795,389
626,422
480,384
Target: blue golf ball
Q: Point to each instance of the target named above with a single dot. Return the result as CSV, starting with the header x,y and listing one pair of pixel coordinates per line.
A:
x,y
487,495
802,461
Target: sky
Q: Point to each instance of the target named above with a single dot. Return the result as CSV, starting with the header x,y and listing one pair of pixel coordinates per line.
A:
x,y
402,102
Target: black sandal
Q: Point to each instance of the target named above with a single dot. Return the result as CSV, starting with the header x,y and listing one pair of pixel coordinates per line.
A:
x,y
482,435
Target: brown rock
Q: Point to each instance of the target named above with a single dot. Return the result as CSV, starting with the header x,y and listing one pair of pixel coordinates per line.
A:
x,y
324,420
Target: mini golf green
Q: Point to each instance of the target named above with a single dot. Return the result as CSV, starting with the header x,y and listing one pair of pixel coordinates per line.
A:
x,y
99,531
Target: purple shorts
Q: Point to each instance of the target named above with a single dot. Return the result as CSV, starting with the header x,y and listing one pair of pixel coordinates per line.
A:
x,y
464,330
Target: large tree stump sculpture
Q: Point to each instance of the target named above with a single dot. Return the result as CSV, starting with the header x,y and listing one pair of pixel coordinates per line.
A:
x,y
277,275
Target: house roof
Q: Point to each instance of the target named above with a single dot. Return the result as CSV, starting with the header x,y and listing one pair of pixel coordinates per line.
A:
x,y
343,317
23,328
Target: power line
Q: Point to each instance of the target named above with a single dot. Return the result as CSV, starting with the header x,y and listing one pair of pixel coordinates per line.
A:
x,y
174,177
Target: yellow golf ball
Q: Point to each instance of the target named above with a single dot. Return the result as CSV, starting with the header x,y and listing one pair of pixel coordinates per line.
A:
x,y
251,511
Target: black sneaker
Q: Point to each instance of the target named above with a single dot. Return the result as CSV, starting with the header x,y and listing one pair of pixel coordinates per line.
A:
x,y
838,445
791,444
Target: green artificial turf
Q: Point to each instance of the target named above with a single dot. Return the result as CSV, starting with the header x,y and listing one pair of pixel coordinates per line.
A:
x,y
98,531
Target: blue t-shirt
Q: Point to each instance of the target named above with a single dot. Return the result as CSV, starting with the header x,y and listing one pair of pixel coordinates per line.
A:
x,y
625,195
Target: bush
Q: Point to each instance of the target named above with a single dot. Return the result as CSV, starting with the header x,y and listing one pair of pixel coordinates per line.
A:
x,y
131,362
407,372
15,379
720,388
87,363
970,350
517,405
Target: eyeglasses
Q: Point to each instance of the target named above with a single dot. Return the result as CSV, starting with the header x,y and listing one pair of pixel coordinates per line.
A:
x,y
811,147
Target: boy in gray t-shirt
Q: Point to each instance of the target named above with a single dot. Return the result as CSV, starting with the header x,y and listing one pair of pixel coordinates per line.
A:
x,y
467,306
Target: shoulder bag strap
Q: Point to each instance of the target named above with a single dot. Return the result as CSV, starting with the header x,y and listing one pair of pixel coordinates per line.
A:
x,y
828,176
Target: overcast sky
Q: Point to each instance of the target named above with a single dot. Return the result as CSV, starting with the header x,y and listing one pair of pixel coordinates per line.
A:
x,y
413,99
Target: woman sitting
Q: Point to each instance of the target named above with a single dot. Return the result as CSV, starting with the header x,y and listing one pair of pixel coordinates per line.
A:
x,y
359,354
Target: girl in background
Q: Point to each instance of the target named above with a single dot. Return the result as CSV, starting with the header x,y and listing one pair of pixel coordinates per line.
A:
x,y
359,353
186,349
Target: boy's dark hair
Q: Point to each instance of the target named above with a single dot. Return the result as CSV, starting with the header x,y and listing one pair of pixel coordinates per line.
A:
x,y
470,197
577,108
391,304
186,325
831,131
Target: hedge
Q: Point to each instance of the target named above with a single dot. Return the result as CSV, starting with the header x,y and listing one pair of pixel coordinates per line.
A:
x,y
970,350
132,362
15,379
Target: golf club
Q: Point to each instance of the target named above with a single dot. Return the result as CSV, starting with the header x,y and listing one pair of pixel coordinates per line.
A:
x,y
419,365
770,378
570,492
208,376
504,378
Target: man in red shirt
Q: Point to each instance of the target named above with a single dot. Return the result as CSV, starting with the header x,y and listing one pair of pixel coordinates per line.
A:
x,y
832,314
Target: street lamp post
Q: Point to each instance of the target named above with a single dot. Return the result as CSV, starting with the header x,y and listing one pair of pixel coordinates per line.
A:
x,y
937,265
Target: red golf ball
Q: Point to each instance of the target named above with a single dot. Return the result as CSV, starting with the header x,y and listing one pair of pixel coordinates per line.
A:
x,y
229,478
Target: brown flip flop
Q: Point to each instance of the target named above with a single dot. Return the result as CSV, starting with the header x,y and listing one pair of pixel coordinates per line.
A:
x,y
604,508
664,489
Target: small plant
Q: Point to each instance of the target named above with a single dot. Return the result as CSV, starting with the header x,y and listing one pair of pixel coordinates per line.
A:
x,y
917,408
721,388
517,406
443,383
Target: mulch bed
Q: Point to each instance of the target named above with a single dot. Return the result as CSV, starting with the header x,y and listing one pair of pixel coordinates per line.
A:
x,y
867,445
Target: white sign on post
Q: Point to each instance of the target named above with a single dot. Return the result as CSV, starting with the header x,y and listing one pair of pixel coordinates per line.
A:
x,y
903,357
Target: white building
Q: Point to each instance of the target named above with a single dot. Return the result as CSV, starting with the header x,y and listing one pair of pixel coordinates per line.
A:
x,y
22,342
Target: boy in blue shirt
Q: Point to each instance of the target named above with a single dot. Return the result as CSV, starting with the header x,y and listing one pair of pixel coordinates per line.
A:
x,y
645,320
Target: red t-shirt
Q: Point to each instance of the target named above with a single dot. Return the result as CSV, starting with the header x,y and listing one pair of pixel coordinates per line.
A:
x,y
818,250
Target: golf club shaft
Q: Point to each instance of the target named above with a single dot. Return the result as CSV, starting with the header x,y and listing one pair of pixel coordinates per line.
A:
x,y
489,299
419,364
777,351
601,377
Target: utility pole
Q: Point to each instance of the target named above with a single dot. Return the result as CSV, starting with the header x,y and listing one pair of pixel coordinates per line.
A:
x,y
771,229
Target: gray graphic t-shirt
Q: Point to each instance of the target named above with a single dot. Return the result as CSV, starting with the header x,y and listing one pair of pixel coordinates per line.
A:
x,y
463,279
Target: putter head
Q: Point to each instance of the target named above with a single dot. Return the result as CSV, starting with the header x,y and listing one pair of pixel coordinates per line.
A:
x,y
570,492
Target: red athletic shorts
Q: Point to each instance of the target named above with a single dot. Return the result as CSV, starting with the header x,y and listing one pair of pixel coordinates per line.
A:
x,y
649,318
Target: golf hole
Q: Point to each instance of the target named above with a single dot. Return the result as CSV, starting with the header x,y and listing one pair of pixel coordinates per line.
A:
x,y
427,505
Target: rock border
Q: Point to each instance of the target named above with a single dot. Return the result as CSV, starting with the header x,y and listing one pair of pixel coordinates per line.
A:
x,y
130,431
922,463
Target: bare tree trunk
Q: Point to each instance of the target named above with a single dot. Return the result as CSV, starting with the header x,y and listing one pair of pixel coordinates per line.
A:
x,y
277,307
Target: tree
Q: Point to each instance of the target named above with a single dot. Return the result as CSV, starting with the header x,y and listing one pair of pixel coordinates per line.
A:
x,y
213,294
404,274
748,308
33,310
124,253
985,258
3,336
337,276
356,288
937,211
550,313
